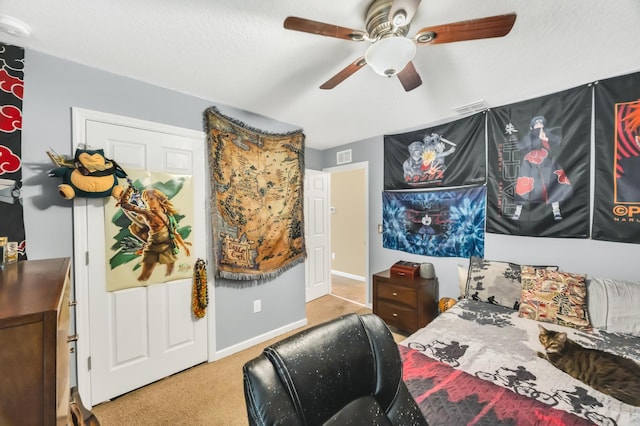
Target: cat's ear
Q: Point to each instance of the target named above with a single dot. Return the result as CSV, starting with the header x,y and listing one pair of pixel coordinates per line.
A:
x,y
562,337
542,329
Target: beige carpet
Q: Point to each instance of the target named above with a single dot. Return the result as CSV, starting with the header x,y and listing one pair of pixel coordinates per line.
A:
x,y
348,288
209,393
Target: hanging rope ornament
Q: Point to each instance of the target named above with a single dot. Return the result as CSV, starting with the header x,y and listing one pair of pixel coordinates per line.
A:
x,y
200,298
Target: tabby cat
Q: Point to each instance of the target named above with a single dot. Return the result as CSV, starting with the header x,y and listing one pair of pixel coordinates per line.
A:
x,y
608,373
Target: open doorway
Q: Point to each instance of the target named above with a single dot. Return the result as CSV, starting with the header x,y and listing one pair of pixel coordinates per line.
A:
x,y
349,201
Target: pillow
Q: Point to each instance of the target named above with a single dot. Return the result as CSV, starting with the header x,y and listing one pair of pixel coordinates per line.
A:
x,y
613,305
462,280
597,302
495,282
554,297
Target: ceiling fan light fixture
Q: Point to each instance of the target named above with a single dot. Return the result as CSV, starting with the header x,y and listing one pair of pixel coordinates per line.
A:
x,y
390,55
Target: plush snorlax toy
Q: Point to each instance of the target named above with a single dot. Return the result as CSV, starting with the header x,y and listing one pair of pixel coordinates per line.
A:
x,y
90,174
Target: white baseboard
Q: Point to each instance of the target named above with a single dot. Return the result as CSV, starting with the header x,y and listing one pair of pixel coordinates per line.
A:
x,y
256,340
347,275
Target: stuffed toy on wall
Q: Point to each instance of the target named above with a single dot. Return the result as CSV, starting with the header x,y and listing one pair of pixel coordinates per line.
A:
x,y
90,174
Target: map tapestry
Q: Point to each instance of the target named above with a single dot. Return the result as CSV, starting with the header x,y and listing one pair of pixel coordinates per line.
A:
x,y
452,154
257,200
616,211
538,160
442,223
11,90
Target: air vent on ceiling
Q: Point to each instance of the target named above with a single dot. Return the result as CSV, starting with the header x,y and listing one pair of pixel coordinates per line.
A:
x,y
343,157
472,108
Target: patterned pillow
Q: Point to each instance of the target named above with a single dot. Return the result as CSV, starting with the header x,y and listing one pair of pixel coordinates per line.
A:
x,y
495,282
555,297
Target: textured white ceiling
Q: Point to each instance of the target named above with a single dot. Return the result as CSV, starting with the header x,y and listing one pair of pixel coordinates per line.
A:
x,y
236,52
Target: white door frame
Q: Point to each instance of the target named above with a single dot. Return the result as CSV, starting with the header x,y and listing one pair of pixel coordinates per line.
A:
x,y
362,165
80,249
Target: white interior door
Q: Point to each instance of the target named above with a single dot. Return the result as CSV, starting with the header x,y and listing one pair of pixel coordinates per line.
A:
x,y
317,231
142,334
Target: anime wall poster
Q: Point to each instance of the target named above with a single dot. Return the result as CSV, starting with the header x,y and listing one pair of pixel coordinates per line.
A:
x,y
452,154
538,165
148,230
442,223
616,214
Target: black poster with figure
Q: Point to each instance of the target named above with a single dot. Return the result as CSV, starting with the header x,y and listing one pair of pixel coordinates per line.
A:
x,y
538,161
11,90
616,204
452,154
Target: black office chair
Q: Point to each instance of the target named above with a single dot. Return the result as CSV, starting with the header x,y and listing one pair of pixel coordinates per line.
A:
x,y
344,372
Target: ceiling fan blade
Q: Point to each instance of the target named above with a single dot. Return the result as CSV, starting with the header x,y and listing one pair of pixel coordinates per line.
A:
x,y
344,74
409,77
402,11
489,27
320,28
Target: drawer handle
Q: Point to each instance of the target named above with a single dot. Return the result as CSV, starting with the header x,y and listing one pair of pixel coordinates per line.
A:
x,y
73,302
72,338
394,293
395,315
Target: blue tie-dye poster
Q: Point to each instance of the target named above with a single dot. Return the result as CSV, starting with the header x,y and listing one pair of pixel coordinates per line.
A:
x,y
447,223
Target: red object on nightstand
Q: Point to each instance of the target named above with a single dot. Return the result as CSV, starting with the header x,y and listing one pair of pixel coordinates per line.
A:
x,y
405,269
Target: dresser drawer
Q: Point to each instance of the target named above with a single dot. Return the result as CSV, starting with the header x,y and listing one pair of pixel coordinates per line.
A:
x,y
398,294
397,315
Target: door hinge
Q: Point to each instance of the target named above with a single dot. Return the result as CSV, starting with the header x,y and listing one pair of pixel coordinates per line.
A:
x,y
86,257
89,363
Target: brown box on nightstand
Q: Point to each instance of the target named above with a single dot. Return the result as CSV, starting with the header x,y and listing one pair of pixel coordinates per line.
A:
x,y
405,269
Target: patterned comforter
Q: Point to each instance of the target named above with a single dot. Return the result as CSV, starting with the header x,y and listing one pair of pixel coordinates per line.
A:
x,y
476,364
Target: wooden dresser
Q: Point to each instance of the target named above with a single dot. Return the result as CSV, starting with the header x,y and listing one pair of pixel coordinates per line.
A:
x,y
405,303
34,353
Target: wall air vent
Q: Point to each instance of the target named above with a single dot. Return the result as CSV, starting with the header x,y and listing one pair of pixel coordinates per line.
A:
x,y
472,108
343,157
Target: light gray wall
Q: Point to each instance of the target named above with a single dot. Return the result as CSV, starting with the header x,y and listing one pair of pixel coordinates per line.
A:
x,y
595,258
52,87
312,159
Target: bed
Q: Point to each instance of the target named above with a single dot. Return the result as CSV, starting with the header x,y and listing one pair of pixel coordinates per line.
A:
x,y
476,363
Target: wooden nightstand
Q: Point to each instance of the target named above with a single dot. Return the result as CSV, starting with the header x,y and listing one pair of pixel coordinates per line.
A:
x,y
406,303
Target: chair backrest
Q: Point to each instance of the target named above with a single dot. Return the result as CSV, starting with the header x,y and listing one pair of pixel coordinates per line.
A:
x,y
345,369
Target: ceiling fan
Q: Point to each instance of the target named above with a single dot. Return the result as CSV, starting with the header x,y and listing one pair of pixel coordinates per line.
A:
x,y
391,52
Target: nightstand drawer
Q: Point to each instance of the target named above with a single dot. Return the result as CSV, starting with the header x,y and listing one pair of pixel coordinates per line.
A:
x,y
398,294
397,315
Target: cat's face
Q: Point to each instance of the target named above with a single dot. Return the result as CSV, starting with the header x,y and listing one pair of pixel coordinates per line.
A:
x,y
552,341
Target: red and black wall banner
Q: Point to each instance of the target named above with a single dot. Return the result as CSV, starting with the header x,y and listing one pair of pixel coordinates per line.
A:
x,y
538,161
11,91
616,211
452,154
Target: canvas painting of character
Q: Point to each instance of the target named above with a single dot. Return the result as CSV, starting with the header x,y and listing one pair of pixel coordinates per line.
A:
x,y
149,227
